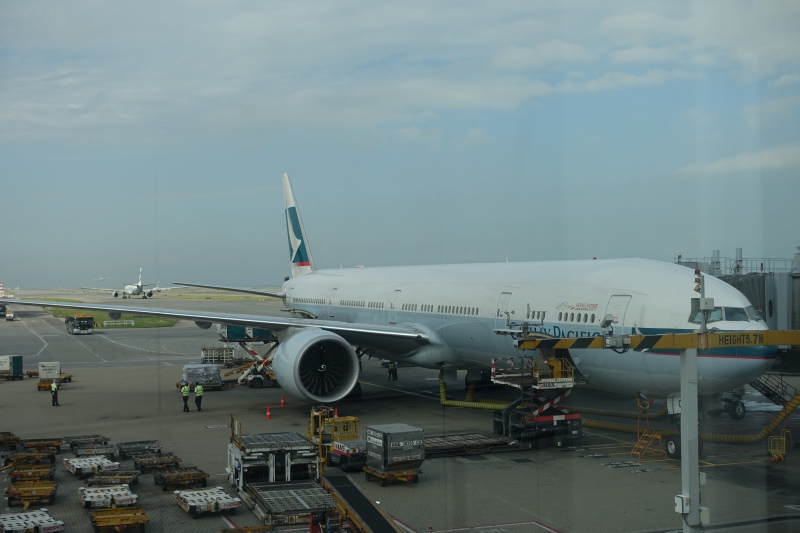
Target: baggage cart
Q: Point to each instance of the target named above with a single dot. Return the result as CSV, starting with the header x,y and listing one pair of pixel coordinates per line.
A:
x,y
214,500
28,472
159,461
30,457
11,367
119,519
8,439
86,466
94,450
384,477
114,477
25,522
45,444
27,492
185,476
75,441
127,449
116,496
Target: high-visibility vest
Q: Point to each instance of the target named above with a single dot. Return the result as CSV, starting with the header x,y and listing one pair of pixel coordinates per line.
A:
x,y
185,390
53,387
198,390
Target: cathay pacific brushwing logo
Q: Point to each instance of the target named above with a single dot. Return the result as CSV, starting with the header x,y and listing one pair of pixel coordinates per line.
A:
x,y
297,248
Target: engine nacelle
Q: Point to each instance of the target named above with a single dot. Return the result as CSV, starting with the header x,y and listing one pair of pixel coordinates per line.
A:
x,y
203,325
115,295
114,315
317,365
149,294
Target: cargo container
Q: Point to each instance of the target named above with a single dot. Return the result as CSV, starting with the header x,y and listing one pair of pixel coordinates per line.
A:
x,y
214,500
86,466
11,367
207,375
98,497
220,355
49,371
28,521
395,452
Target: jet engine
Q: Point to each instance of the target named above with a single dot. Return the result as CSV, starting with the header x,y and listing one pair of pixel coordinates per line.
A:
x,y
115,294
202,325
114,315
317,365
149,294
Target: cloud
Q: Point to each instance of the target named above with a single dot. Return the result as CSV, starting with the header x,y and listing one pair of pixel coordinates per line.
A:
x,y
551,52
780,157
618,80
766,113
785,80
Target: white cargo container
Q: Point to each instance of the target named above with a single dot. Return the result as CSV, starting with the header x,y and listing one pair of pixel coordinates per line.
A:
x,y
214,500
30,521
86,466
49,371
118,496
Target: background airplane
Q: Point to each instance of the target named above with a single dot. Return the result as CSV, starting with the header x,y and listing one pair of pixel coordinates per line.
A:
x,y
131,290
461,317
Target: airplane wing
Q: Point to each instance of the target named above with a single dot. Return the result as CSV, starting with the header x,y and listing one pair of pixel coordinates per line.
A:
x,y
104,289
389,339
245,290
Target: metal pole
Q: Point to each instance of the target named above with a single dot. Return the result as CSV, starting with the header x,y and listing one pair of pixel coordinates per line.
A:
x,y
690,457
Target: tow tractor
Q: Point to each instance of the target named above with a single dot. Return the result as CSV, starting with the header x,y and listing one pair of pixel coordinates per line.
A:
x,y
336,438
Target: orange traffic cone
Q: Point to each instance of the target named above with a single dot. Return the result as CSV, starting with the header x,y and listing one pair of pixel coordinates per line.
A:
x,y
269,414
283,402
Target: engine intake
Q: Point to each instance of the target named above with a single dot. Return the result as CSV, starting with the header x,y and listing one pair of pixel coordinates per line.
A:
x,y
317,365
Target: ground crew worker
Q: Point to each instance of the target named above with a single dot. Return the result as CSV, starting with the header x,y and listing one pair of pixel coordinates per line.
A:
x,y
185,395
393,371
198,396
54,393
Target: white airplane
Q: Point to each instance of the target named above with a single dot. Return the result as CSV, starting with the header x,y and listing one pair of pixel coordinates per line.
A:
x,y
131,290
457,317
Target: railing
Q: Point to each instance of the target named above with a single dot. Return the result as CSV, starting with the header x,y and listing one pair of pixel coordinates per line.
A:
x,y
724,266
117,323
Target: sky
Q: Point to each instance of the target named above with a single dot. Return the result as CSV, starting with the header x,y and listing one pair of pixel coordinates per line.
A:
x,y
152,134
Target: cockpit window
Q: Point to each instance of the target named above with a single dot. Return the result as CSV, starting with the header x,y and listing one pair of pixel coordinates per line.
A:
x,y
736,314
731,314
752,314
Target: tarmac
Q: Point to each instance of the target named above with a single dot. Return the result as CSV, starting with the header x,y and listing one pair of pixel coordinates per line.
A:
x,y
124,388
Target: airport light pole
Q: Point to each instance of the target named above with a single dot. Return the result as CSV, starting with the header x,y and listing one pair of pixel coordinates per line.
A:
x,y
688,502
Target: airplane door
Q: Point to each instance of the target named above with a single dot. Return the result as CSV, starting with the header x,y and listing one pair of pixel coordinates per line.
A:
x,y
502,307
394,301
331,301
617,306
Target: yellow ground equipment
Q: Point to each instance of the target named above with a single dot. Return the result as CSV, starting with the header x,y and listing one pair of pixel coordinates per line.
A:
x,y
325,428
119,519
27,492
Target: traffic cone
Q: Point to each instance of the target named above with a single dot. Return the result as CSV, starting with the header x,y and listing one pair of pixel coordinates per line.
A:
x,y
283,402
269,414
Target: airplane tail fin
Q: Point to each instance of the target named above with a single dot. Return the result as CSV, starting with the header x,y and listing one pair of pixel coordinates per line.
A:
x,y
299,251
140,276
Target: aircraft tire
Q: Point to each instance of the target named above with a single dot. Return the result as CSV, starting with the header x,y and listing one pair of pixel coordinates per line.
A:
x,y
738,411
674,446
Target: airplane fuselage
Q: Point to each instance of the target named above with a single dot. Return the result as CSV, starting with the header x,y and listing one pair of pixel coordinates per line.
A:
x,y
465,310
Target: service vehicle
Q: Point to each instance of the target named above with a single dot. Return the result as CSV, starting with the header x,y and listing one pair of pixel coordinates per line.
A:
x,y
10,316
2,310
79,324
349,455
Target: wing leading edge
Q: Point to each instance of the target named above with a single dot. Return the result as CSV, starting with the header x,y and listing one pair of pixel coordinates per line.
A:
x,y
390,339
273,294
